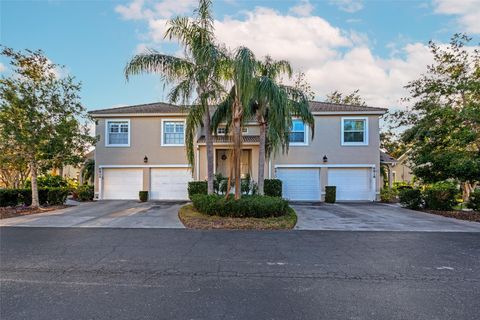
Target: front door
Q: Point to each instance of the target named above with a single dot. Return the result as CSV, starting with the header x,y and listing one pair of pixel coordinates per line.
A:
x,y
224,159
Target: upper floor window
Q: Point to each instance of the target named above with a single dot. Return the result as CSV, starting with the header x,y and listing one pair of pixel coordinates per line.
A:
x,y
118,133
221,130
173,133
298,133
355,131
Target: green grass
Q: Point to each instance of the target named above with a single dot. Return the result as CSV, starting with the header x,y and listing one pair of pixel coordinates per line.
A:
x,y
193,219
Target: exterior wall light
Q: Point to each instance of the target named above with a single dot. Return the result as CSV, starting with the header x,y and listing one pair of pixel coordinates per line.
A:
x,y
325,159
145,160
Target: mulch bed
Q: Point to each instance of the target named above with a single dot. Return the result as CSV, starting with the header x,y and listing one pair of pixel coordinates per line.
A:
x,y
23,211
192,219
461,215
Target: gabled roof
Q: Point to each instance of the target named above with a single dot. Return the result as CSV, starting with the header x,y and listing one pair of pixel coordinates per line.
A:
x,y
157,107
164,108
317,106
386,158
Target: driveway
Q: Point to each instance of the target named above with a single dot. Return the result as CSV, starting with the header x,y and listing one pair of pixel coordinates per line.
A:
x,y
105,214
375,217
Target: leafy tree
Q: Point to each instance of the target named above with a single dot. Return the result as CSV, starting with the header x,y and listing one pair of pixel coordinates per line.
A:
x,y
444,118
14,170
41,115
353,98
392,144
88,171
198,73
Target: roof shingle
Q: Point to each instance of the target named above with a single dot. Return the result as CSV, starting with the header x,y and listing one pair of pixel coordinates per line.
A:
x,y
162,107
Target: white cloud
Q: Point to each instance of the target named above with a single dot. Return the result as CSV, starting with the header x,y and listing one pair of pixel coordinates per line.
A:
x,y
467,12
332,58
349,6
2,67
141,9
303,9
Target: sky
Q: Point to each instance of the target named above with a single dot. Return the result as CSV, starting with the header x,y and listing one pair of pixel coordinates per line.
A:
x,y
374,46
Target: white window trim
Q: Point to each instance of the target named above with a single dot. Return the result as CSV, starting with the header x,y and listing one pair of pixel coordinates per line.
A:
x,y
245,130
221,133
163,144
365,133
305,136
107,140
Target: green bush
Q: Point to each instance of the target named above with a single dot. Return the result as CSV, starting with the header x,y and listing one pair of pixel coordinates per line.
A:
x,y
48,181
143,196
410,198
197,187
441,196
56,196
84,193
474,200
9,197
50,196
330,194
388,195
272,187
247,206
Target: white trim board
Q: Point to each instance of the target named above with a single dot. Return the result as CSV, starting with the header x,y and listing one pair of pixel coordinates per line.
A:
x,y
324,166
115,166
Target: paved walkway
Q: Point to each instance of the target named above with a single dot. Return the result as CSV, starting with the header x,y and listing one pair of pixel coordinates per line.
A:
x,y
105,214
369,216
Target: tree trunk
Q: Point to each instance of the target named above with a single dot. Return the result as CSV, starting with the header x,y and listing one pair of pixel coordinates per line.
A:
x,y
237,150
261,156
467,190
60,171
209,145
33,171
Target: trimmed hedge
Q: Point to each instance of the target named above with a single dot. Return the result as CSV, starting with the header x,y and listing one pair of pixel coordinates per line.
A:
x,y
474,200
441,196
247,206
272,187
50,196
197,187
410,198
388,195
143,196
330,194
84,193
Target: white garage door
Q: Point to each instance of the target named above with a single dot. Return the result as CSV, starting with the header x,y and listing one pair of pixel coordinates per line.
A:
x,y
169,184
300,184
352,184
122,183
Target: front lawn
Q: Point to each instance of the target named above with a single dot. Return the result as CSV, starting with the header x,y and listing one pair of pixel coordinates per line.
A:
x,y
193,219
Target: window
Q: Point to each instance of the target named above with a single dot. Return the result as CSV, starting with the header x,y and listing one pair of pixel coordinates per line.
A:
x,y
173,133
118,133
221,130
354,131
245,130
298,133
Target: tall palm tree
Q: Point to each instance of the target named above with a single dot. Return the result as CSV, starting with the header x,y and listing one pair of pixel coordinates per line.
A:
x,y
198,73
275,105
240,71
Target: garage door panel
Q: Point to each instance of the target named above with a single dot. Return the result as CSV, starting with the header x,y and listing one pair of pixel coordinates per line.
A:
x,y
169,184
122,184
352,184
300,184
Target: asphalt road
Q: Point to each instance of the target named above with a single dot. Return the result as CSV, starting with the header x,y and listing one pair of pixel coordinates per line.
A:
x,y
77,273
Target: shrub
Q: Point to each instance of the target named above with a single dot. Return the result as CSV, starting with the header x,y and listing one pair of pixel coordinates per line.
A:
x,y
197,187
84,193
48,181
441,196
410,198
474,200
330,194
247,206
388,195
9,197
56,196
272,187
143,195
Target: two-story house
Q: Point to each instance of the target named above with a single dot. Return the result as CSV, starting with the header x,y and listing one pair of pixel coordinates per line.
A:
x,y
142,147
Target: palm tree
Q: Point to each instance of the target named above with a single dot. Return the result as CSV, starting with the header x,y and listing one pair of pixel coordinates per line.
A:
x,y
199,72
88,171
275,106
240,71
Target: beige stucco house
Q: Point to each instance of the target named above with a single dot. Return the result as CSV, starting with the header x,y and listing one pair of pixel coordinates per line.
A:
x,y
142,147
401,171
